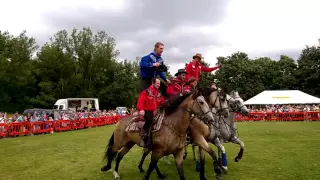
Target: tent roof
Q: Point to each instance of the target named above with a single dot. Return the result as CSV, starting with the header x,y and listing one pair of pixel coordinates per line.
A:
x,y
283,97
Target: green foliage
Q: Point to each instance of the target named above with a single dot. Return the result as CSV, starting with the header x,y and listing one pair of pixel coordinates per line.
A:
x,y
82,63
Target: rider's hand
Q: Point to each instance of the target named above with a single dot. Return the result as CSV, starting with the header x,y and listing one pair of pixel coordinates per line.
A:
x,y
156,64
213,86
168,81
141,113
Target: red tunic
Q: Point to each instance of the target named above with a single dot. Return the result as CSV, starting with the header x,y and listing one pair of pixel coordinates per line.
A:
x,y
177,86
194,69
150,99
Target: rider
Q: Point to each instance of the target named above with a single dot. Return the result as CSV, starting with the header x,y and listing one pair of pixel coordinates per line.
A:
x,y
192,83
178,84
148,102
152,65
194,68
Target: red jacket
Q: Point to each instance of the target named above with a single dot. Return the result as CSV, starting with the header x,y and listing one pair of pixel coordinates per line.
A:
x,y
177,86
194,69
150,99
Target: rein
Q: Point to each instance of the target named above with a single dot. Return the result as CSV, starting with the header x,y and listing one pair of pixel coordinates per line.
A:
x,y
189,110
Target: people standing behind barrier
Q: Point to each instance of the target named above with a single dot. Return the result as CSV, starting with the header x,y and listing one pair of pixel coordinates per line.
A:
x,y
194,68
151,66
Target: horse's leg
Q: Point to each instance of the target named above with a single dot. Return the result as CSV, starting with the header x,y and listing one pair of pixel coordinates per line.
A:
x,y
203,144
221,148
194,152
120,155
185,152
179,159
196,157
202,164
219,156
160,175
144,155
236,140
153,164
110,153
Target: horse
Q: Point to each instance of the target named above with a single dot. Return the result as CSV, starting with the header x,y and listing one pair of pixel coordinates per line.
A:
x,y
201,131
228,131
168,138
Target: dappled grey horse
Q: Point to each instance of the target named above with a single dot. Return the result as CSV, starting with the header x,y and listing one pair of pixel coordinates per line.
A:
x,y
228,131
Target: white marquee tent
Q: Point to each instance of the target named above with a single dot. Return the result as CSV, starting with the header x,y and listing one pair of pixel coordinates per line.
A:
x,y
282,97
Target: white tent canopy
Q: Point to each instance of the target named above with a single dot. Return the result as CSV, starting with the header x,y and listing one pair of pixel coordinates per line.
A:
x,y
283,97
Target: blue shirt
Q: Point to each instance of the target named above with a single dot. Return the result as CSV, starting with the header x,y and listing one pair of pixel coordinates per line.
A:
x,y
146,66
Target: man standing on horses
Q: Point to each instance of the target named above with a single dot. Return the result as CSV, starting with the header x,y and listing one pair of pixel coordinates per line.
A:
x,y
152,66
148,102
178,84
194,68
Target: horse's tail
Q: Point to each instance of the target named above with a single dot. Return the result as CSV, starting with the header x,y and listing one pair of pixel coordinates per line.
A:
x,y
108,151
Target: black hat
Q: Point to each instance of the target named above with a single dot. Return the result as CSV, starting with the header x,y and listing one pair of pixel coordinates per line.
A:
x,y
180,71
161,68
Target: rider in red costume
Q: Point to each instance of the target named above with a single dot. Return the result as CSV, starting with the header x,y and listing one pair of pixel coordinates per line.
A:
x,y
194,68
148,102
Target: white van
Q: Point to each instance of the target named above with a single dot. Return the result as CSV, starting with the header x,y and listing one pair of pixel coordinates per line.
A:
x,y
77,104
121,110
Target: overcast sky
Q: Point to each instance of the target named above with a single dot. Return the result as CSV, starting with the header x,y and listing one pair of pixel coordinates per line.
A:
x,y
211,27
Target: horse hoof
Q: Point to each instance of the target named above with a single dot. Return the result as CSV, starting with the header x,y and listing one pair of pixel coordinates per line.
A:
x,y
116,175
236,159
163,177
105,168
225,169
203,178
141,170
217,170
218,177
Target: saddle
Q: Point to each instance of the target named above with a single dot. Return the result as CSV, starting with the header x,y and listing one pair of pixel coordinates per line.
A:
x,y
137,122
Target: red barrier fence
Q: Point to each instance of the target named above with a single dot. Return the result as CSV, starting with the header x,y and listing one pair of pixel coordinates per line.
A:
x,y
40,127
27,128
288,116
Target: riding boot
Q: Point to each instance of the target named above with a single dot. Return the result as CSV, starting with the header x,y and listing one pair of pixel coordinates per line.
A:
x,y
146,137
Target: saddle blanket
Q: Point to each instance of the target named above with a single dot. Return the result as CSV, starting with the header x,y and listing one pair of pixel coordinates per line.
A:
x,y
136,124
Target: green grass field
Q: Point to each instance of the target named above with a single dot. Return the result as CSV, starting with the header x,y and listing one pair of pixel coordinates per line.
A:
x,y
273,150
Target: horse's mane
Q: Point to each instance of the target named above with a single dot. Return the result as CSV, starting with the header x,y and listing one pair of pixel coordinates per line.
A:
x,y
206,91
175,101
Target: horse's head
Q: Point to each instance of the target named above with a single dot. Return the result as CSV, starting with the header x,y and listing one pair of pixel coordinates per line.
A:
x,y
218,101
236,103
197,105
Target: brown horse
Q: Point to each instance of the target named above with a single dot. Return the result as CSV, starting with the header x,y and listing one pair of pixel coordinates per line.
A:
x,y
169,139
201,132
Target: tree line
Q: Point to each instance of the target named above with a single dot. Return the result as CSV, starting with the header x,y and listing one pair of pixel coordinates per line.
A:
x,y
85,64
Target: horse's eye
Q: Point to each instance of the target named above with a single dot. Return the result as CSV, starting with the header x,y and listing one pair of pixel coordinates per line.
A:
x,y
202,103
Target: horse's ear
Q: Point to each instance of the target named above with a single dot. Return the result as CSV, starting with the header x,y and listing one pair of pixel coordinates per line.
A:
x,y
195,94
222,93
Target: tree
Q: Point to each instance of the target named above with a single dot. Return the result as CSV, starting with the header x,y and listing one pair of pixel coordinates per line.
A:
x,y
85,64
309,70
17,79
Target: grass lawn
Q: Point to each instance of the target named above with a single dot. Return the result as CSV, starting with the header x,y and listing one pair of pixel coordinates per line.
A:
x,y
273,150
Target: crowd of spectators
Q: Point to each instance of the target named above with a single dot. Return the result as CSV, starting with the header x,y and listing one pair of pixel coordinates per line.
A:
x,y
284,108
53,116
